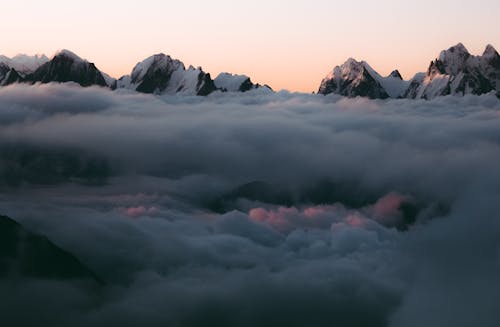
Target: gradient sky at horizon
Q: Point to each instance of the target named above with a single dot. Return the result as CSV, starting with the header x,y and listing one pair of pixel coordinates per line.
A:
x,y
287,44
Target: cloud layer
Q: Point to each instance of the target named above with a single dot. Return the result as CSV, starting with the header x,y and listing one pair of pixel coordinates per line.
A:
x,y
254,209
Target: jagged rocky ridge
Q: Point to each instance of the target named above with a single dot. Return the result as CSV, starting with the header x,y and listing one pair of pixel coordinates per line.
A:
x,y
14,70
455,72
356,78
68,67
158,74
65,66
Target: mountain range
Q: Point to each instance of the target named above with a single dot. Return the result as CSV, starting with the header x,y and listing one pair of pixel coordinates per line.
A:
x,y
454,72
157,74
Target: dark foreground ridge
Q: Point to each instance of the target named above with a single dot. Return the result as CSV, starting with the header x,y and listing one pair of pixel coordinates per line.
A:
x,y
24,254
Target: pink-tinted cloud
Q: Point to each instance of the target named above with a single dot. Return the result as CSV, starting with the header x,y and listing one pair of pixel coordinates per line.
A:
x,y
385,211
286,219
278,219
140,211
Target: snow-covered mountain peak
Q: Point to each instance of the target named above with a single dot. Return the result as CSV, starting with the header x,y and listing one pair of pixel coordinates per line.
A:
x,y
338,71
456,50
352,62
161,74
230,82
454,59
227,82
350,70
23,63
25,57
457,72
358,78
158,62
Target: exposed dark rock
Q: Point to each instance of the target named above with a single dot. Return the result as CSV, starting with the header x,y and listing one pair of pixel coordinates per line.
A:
x,y
4,70
11,77
247,85
67,67
396,74
413,87
26,254
157,75
205,84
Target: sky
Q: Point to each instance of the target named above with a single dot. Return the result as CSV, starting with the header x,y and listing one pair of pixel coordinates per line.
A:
x,y
287,44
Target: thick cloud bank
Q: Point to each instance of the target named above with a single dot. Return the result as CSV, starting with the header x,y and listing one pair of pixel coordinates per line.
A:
x,y
254,209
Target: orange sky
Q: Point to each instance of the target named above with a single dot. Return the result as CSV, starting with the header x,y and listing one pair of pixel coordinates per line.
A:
x,y
286,44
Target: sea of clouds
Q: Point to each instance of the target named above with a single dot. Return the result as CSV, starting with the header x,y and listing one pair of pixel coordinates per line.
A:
x,y
255,209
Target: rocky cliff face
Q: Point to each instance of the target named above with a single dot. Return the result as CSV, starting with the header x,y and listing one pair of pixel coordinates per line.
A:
x,y
10,77
4,72
67,67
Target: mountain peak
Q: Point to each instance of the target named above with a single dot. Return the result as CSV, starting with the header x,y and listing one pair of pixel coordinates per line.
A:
x,y
490,52
156,60
351,69
459,47
352,63
396,74
161,74
457,72
66,66
160,57
354,78
453,60
455,51
68,54
154,66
